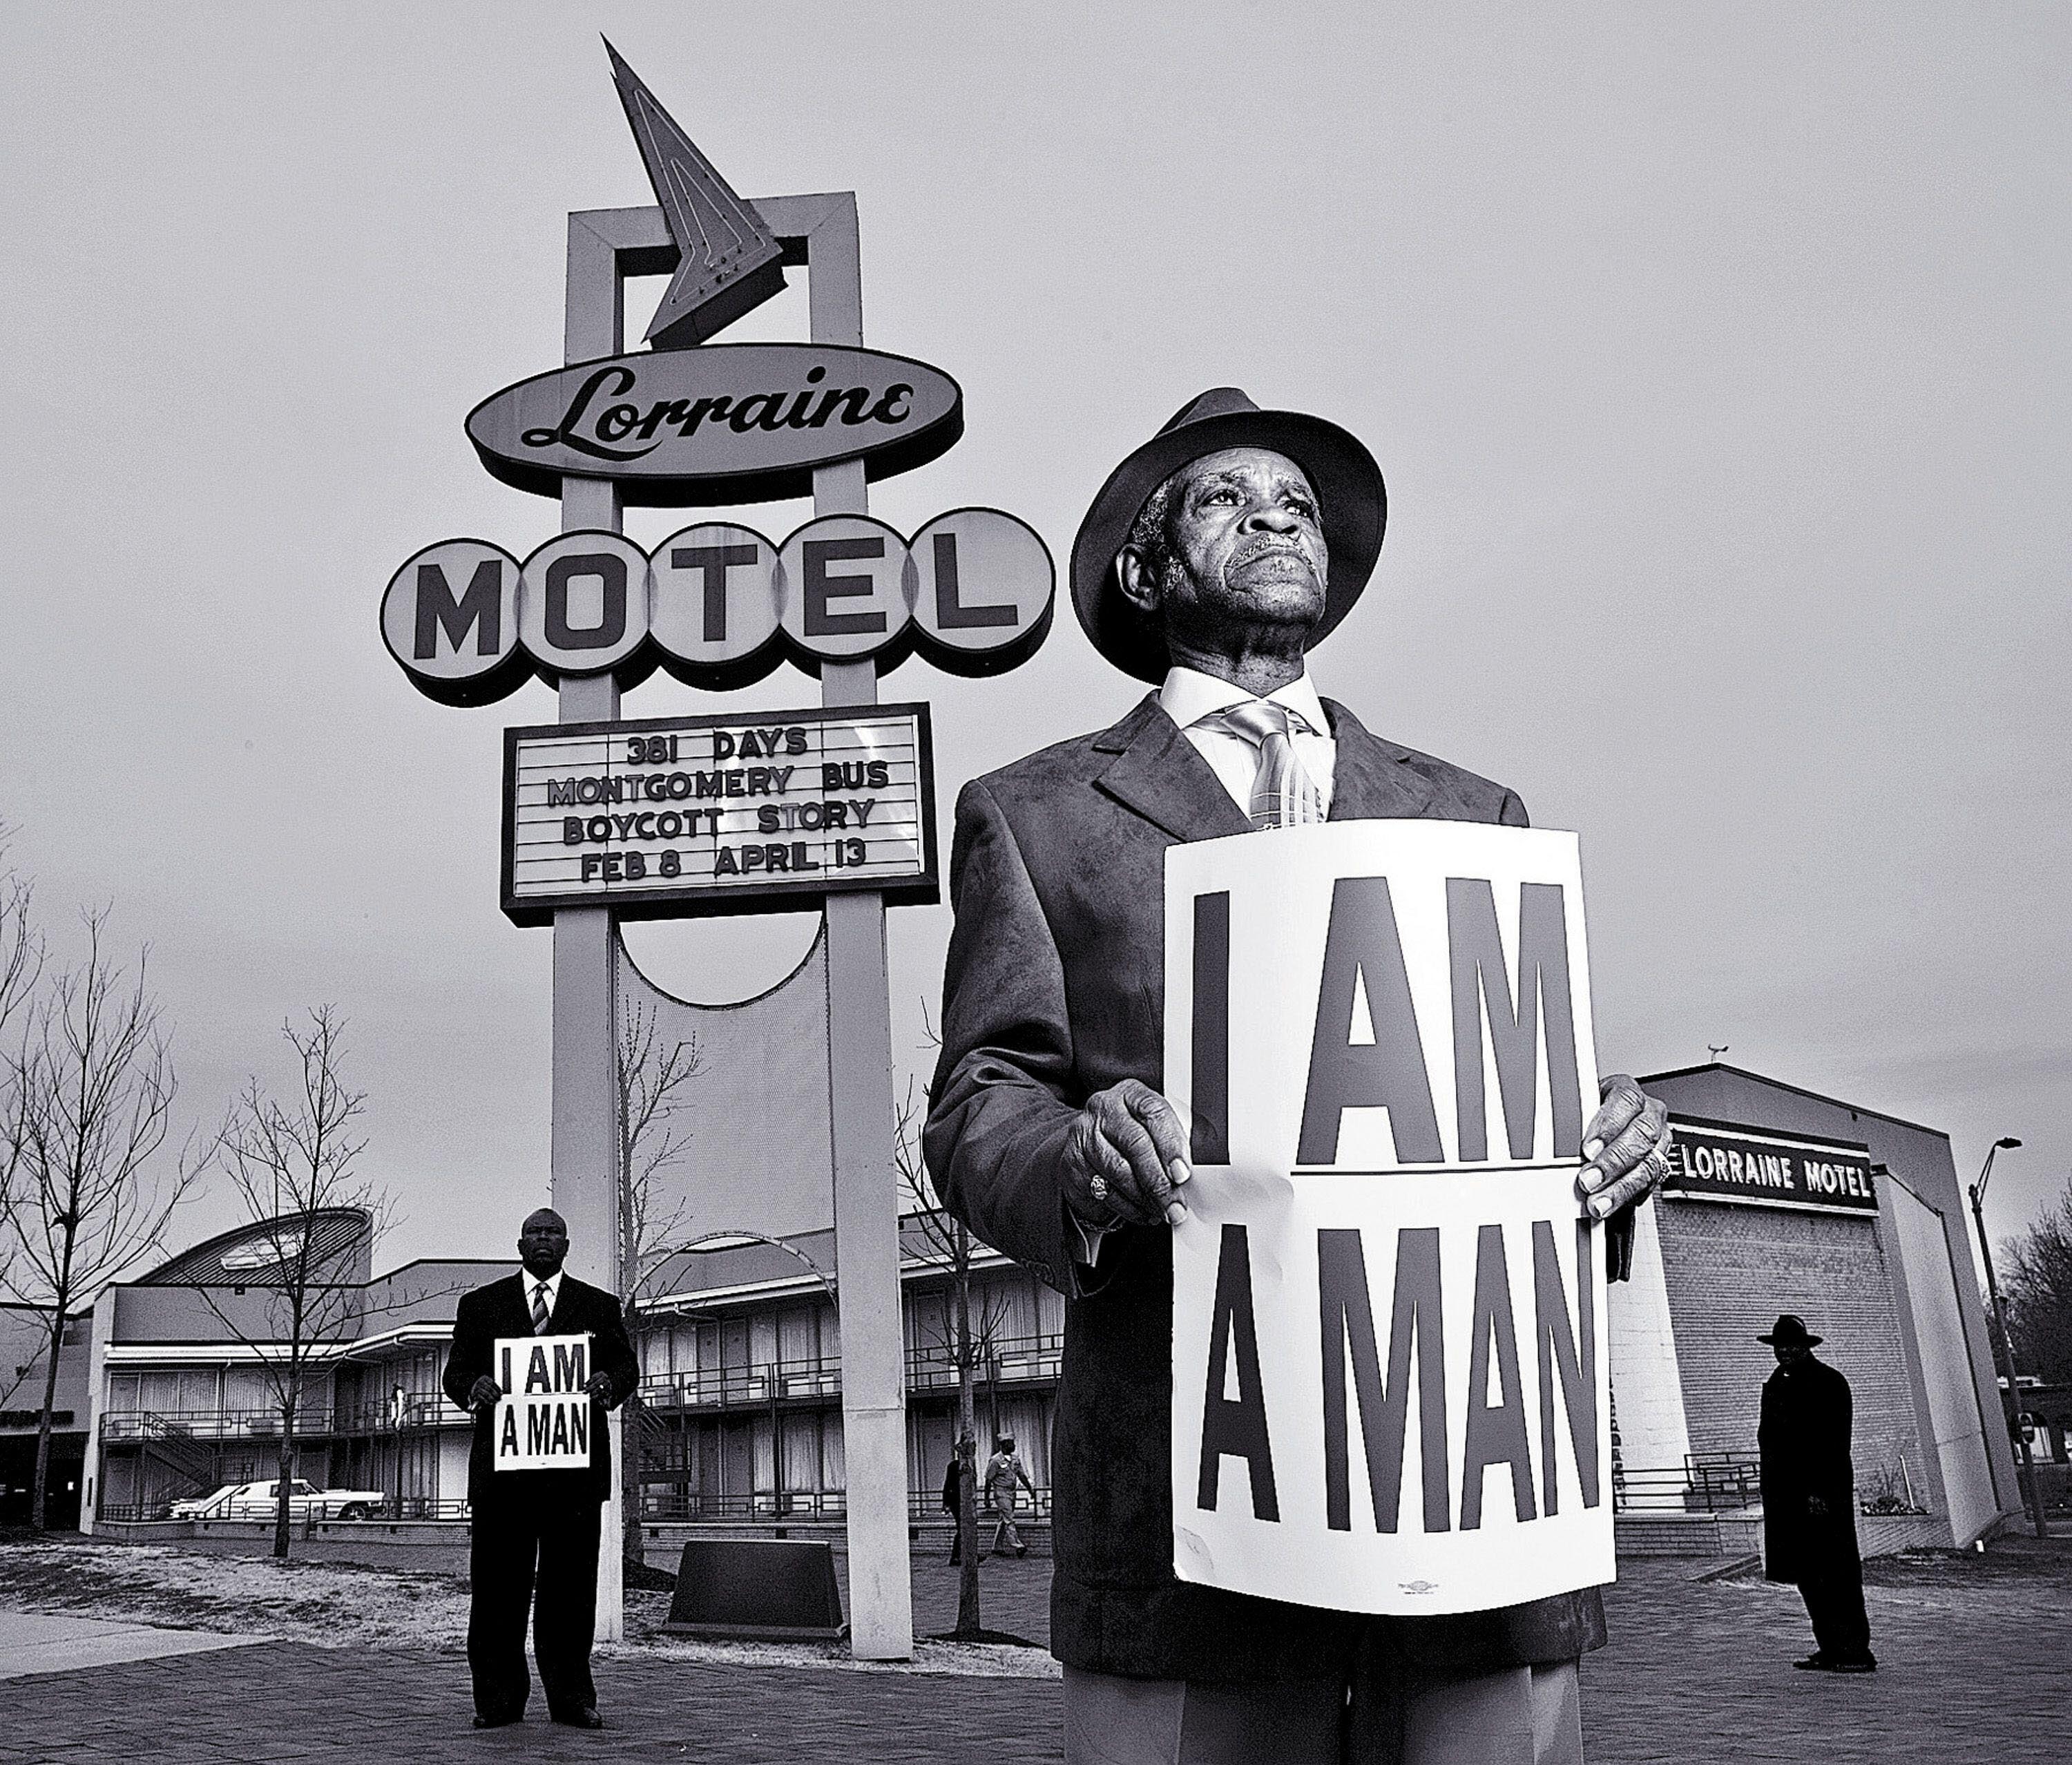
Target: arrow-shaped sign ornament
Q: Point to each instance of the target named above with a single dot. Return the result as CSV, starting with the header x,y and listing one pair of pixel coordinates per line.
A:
x,y
729,262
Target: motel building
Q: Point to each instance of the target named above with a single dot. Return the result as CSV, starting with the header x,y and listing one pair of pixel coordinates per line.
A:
x,y
738,1424
1783,1201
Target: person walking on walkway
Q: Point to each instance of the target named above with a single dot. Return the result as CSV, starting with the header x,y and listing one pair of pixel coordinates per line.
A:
x,y
1809,1497
953,1478
1001,1471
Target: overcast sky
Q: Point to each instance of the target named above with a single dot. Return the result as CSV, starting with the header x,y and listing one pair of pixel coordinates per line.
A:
x,y
1715,357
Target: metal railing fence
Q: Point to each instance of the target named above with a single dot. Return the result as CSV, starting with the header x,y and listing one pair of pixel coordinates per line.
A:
x,y
1705,1483
1017,1360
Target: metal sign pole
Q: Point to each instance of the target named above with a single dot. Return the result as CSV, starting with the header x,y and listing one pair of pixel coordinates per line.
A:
x,y
971,592
860,1093
585,1184
602,245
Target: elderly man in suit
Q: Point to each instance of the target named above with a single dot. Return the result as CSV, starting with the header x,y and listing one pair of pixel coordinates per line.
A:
x,y
1213,558
533,1541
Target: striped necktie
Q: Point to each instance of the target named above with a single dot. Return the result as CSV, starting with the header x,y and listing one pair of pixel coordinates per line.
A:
x,y
540,1308
1283,794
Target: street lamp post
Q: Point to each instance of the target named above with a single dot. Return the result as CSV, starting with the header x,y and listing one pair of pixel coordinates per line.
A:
x,y
2005,1343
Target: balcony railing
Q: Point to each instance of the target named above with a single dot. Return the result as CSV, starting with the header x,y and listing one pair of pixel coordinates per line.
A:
x,y
1019,1360
415,1411
739,1387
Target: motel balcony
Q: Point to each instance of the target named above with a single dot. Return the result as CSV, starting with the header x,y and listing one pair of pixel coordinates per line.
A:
x,y
1023,1361
313,1421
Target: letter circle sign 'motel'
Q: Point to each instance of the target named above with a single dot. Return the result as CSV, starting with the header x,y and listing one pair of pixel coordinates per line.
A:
x,y
723,423
719,605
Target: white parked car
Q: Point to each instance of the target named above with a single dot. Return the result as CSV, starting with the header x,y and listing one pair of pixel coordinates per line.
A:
x,y
259,1501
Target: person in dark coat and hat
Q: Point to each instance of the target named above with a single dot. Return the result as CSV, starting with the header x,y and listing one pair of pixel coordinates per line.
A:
x,y
1809,1497
1215,556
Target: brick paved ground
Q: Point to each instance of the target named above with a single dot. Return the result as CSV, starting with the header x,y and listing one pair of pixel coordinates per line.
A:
x,y
1975,1663
1014,1595
1975,1656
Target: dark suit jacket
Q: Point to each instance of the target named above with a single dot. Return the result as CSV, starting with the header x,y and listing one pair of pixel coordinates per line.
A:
x,y
1055,989
499,1310
1804,1440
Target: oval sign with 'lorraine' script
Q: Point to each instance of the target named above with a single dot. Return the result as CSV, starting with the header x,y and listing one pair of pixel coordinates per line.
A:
x,y
721,423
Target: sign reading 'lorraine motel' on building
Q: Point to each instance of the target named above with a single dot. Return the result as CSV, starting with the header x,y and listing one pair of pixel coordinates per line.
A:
x,y
1720,1161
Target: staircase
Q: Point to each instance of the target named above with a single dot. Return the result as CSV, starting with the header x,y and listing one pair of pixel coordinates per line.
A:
x,y
665,1453
190,1466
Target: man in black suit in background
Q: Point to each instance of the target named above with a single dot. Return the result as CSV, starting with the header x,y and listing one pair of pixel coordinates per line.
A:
x,y
1809,1497
534,1539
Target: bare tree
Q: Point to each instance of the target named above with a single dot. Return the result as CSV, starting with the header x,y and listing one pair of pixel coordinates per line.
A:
x,y
292,1161
21,966
88,1091
2038,1265
967,1341
654,1138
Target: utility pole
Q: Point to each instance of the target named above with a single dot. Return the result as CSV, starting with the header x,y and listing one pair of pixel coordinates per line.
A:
x,y
2005,1344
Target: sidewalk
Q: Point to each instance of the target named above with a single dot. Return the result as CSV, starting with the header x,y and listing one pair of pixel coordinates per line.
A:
x,y
55,1642
1975,1656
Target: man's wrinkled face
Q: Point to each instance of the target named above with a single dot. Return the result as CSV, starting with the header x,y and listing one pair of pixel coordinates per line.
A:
x,y
1247,546
542,1243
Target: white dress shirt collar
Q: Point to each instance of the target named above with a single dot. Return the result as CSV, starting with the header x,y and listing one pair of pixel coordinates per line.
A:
x,y
1188,696
553,1284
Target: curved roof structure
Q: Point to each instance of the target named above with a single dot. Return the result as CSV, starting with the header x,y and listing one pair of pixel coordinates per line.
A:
x,y
251,1256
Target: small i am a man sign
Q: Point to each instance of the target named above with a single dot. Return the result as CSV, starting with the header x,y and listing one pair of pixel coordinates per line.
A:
x,y
543,1419
1390,1385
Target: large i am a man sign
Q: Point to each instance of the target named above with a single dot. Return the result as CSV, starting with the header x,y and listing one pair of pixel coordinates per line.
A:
x,y
543,1419
1389,1387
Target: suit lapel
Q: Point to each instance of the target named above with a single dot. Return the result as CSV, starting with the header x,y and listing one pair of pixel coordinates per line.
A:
x,y
1372,779
517,1308
1158,774
561,1320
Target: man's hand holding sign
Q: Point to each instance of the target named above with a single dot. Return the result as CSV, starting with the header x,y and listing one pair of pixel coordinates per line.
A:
x,y
1126,1160
1288,1231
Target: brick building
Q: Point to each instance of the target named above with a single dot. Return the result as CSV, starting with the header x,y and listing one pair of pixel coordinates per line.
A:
x,y
1783,1201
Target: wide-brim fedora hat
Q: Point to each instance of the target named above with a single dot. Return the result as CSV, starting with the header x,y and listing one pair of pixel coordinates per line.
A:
x,y
1353,505
1790,1330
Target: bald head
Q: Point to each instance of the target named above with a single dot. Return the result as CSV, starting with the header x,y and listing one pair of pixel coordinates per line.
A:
x,y
543,1243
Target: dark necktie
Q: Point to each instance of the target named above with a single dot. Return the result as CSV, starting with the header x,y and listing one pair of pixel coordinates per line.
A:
x,y
539,1312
